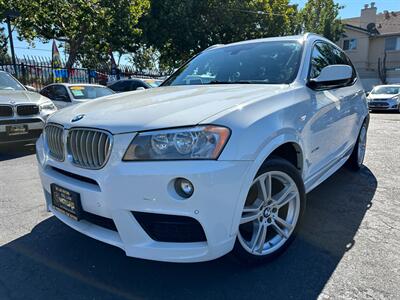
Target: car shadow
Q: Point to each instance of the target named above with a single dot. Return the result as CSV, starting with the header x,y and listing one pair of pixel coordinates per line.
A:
x,y
55,262
13,151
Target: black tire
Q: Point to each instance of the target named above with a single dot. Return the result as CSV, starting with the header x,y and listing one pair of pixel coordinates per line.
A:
x,y
274,164
354,160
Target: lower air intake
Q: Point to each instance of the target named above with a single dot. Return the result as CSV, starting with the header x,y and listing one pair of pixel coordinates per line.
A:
x,y
170,228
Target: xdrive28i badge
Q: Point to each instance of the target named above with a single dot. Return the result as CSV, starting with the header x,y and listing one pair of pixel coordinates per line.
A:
x,y
77,118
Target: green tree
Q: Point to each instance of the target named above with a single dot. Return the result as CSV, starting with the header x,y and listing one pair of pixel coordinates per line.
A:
x,y
4,6
181,28
89,27
4,57
321,16
145,58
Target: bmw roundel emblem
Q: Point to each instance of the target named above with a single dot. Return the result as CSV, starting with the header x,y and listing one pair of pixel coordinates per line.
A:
x,y
77,118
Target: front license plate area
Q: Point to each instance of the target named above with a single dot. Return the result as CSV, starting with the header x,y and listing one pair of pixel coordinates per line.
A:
x,y
66,201
17,129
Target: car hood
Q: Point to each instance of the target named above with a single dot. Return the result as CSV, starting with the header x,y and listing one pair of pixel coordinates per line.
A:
x,y
162,107
17,97
381,96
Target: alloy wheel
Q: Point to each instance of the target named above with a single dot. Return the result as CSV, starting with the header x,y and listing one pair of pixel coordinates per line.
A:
x,y
270,213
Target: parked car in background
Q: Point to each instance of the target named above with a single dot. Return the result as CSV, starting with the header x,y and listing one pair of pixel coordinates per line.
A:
x,y
126,85
22,112
191,171
385,97
66,94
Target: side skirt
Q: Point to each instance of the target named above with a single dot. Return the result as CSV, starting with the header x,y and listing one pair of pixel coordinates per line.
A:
x,y
325,173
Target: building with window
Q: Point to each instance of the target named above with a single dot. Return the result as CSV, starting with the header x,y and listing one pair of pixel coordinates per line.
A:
x,y
372,41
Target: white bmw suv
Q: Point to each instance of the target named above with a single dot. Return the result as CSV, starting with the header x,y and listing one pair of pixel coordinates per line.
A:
x,y
218,159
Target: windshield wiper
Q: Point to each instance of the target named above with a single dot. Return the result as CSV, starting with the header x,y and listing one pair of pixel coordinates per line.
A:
x,y
229,82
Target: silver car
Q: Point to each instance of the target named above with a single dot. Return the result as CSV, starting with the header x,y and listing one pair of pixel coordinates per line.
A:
x,y
385,97
22,113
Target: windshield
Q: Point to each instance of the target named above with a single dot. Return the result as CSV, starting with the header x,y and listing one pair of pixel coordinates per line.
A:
x,y
89,92
259,62
392,90
7,82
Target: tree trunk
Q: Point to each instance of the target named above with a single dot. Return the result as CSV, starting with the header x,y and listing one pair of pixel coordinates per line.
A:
x,y
73,51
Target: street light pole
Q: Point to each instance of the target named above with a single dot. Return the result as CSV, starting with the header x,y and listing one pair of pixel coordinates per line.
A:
x,y
8,21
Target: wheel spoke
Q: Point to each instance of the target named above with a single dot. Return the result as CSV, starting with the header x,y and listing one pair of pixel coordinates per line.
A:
x,y
259,239
255,207
287,195
280,231
265,186
250,217
269,186
284,223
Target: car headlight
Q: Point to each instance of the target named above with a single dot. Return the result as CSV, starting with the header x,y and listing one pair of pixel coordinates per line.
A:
x,y
397,98
47,106
201,142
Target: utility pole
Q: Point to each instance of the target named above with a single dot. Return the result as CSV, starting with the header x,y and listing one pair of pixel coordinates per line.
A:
x,y
8,21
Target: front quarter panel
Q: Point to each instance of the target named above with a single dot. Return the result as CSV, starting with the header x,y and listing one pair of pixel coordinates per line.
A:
x,y
255,125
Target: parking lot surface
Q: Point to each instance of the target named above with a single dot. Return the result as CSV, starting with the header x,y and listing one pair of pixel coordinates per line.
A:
x,y
348,246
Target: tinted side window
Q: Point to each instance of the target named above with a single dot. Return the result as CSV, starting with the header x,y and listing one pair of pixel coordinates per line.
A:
x,y
320,58
60,93
47,92
142,84
138,83
118,86
133,85
348,62
325,54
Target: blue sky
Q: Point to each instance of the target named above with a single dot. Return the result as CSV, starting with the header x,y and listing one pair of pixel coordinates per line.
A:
x,y
351,9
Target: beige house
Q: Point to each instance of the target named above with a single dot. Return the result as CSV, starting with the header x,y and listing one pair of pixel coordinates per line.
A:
x,y
372,41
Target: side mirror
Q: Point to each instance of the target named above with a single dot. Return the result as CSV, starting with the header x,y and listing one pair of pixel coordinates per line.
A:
x,y
30,88
367,94
331,77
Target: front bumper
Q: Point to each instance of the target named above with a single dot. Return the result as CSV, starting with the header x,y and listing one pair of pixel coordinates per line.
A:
x,y
121,188
35,126
384,105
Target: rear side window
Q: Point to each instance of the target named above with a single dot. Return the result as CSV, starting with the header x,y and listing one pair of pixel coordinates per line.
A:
x,y
119,86
60,93
47,92
142,84
133,85
323,55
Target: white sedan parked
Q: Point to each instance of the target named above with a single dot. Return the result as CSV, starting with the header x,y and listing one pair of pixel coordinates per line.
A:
x,y
66,94
193,170
385,97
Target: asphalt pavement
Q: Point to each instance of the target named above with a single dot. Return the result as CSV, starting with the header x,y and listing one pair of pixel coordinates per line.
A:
x,y
348,246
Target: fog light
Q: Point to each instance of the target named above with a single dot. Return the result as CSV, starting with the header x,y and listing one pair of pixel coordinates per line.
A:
x,y
184,187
